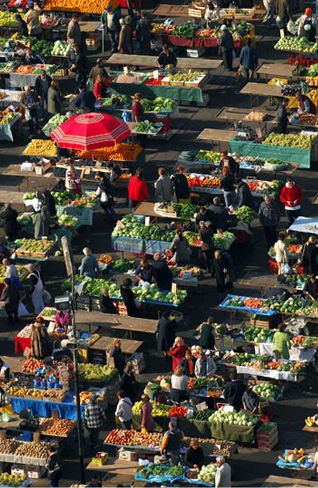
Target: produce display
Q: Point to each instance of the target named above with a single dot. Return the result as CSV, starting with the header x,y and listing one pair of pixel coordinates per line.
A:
x,y
36,394
312,421
296,43
133,438
122,265
105,259
290,140
120,152
209,156
7,67
185,211
202,415
22,271
208,383
8,117
184,76
305,342
179,271
292,306
91,7
33,449
178,412
255,362
207,473
97,373
158,409
31,365
309,119
8,446
34,247
294,456
134,228
67,220
40,147
43,47
7,19
146,127
292,249
245,214
159,104
267,391
203,181
66,198
154,294
258,335
7,479
212,446
266,187
54,122
61,48
56,427
85,397
233,418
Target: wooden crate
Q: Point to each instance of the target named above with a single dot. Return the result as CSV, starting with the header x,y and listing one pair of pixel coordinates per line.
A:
x,y
267,440
263,323
194,12
176,83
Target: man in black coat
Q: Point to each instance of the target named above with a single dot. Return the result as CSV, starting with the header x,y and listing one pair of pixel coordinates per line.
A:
x,y
244,195
204,215
181,186
220,215
143,29
11,297
166,331
10,224
85,100
233,392
161,272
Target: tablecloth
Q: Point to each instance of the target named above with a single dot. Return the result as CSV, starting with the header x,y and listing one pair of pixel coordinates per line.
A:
x,y
178,93
66,409
190,427
21,343
306,225
19,80
236,433
295,353
268,373
288,154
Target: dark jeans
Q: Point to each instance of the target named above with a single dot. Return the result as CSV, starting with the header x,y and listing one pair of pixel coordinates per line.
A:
x,y
54,482
227,57
282,127
114,38
208,257
43,104
292,215
34,121
12,314
109,211
270,234
126,425
93,437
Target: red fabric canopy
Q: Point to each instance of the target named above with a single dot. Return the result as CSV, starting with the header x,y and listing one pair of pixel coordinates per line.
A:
x,y
90,131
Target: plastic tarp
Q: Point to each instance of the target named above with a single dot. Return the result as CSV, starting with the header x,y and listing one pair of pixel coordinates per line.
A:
x,y
236,433
305,225
252,310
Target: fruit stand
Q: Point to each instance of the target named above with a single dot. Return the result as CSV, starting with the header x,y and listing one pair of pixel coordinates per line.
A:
x,y
34,249
27,75
174,87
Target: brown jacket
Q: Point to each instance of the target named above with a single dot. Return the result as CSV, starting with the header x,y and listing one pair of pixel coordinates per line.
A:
x,y
205,236
32,19
124,45
74,33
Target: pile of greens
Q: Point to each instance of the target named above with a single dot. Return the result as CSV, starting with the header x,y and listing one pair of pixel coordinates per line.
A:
x,y
146,127
185,211
245,214
133,228
186,30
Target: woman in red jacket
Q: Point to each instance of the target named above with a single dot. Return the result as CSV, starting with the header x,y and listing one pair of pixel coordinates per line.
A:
x,y
101,86
291,196
137,189
178,352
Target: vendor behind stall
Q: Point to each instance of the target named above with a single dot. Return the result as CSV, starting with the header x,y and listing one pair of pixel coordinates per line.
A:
x,y
204,215
166,58
40,341
144,271
233,391
205,367
194,456
311,287
308,25
171,441
137,114
250,401
207,334
105,303
281,343
187,364
306,106
161,272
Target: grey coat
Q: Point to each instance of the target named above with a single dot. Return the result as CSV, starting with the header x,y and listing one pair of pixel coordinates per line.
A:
x,y
53,101
42,221
164,189
181,250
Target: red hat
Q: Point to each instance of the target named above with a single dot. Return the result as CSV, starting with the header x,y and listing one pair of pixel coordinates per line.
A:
x,y
308,11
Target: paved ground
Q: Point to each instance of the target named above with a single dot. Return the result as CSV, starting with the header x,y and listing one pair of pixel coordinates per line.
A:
x,y
251,466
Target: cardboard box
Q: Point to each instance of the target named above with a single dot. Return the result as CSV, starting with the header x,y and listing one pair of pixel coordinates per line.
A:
x,y
127,455
35,472
18,470
100,459
195,52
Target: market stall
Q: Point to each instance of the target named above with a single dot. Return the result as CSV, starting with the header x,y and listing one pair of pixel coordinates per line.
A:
x,y
151,62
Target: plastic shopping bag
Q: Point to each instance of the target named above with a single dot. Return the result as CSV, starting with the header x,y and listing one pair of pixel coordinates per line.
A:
x,y
292,28
239,74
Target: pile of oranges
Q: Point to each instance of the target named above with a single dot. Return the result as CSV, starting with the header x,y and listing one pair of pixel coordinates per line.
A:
x,y
92,6
120,152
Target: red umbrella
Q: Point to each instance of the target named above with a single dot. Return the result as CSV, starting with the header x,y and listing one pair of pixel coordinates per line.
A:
x,y
90,131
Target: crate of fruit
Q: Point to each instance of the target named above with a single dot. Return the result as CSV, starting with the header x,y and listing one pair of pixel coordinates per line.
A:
x,y
34,248
196,83
267,436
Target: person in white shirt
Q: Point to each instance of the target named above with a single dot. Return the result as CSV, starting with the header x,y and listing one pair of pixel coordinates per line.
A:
x,y
5,371
223,474
204,366
11,270
124,410
179,385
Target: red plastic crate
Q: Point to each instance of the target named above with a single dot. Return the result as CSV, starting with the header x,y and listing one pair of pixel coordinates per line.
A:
x,y
272,266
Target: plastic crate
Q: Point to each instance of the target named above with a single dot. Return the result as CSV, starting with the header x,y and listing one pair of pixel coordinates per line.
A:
x,y
267,440
272,266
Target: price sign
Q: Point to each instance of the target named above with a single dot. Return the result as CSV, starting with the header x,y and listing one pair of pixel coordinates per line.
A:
x,y
147,221
174,288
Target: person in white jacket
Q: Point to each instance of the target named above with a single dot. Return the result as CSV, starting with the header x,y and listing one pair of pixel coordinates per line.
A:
x,y
204,366
124,410
281,254
223,474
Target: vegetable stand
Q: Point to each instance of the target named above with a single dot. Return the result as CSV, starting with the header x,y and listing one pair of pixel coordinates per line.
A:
x,y
6,129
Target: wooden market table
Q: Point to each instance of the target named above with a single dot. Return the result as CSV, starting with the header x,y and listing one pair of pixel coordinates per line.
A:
x,y
312,430
151,61
276,70
115,467
31,178
233,114
256,90
217,136
165,10
148,209
114,322
128,346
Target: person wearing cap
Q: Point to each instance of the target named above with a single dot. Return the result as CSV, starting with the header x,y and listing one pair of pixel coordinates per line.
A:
x,y
23,28
137,113
166,58
42,85
94,418
74,35
32,20
143,29
124,44
161,272
110,20
269,217
98,69
308,25
226,44
29,103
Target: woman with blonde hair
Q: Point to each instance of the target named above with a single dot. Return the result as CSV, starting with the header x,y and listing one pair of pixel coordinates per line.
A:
x,y
281,254
147,422
177,352
179,385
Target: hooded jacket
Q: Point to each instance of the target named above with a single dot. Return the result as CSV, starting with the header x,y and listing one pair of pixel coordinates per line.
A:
x,y
293,194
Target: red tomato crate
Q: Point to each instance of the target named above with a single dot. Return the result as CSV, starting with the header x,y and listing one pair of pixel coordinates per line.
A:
x,y
267,439
272,266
